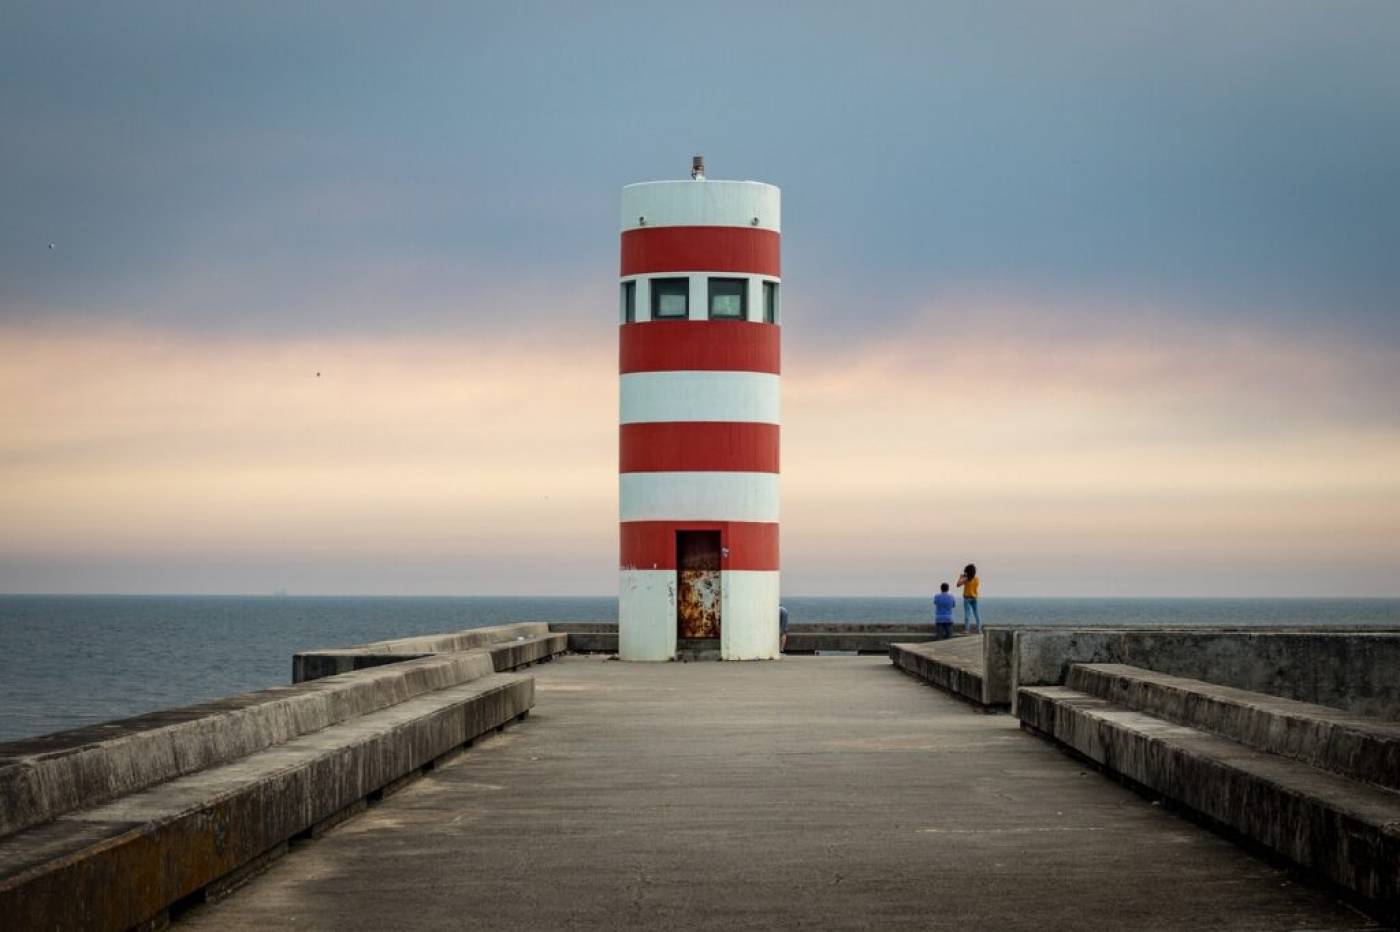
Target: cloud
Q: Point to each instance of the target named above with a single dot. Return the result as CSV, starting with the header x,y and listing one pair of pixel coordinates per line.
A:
x,y
1074,447
1069,462
1104,292
286,170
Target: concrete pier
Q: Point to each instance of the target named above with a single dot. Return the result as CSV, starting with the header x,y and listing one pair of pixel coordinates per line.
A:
x,y
825,792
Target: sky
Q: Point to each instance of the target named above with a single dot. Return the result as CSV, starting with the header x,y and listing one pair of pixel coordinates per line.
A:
x,y
1103,296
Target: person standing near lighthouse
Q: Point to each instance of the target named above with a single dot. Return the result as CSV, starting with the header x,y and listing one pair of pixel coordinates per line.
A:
x,y
943,614
970,585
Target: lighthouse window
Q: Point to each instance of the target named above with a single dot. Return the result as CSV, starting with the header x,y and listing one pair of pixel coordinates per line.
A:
x,y
729,298
629,302
670,297
770,302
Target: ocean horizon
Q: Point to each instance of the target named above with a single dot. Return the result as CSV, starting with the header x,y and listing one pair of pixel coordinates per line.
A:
x,y
73,660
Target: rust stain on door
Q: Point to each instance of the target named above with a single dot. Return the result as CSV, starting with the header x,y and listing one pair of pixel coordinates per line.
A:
x,y
698,584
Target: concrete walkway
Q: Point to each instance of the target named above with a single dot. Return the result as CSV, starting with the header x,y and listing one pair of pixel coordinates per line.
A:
x,y
826,792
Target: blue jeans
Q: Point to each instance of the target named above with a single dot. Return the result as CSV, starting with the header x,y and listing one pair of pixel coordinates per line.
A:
x,y
969,612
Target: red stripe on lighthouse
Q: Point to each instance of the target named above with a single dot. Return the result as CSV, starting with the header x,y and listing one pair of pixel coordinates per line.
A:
x,y
748,545
717,345
698,446
701,249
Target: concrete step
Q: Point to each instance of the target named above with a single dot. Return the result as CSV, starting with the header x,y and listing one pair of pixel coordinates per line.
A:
x,y
1357,746
44,777
953,665
129,861
523,651
315,664
1346,831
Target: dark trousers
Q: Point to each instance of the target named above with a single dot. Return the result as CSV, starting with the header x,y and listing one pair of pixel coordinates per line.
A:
x,y
943,630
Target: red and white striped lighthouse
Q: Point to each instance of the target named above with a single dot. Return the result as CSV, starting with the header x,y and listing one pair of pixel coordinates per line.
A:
x,y
699,418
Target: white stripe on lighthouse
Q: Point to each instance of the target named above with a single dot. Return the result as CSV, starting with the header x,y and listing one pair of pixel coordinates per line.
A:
x,y
701,203
748,612
754,593
698,496
646,614
700,396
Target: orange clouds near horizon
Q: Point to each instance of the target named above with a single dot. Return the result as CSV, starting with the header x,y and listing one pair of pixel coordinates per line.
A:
x,y
1065,456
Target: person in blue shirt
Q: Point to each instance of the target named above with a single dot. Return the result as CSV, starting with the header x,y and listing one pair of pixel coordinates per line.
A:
x,y
943,614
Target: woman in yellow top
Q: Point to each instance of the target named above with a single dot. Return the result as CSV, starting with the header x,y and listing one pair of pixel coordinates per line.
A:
x,y
969,582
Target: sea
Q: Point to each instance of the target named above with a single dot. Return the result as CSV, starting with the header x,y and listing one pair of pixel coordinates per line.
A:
x,y
67,661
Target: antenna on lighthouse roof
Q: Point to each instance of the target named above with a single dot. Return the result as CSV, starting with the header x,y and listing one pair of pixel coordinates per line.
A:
x,y
697,168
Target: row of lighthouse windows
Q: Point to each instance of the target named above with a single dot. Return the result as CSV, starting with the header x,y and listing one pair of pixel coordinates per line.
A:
x,y
725,299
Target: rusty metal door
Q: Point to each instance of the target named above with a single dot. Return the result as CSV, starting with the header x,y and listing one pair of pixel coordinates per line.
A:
x,y
697,584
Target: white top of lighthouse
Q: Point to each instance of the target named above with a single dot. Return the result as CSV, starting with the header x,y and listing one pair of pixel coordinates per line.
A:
x,y
701,202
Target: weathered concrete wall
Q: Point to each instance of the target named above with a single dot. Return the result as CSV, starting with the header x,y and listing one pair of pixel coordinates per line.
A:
x,y
857,627
601,637
1354,669
43,777
997,646
588,637
863,639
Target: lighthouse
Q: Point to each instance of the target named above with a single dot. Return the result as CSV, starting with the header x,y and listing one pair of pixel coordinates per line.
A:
x,y
700,312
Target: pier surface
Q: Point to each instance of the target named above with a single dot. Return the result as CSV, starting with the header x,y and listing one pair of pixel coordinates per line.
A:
x,y
828,792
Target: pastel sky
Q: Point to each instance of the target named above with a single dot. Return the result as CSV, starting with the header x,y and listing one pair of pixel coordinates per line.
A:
x,y
1104,296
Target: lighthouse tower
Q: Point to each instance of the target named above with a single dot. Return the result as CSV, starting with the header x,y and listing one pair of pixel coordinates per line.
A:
x,y
698,451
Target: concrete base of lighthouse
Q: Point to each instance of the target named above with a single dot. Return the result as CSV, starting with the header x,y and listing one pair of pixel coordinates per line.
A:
x,y
647,624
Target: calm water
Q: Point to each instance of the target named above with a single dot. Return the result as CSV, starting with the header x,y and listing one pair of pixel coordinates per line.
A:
x,y
67,661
